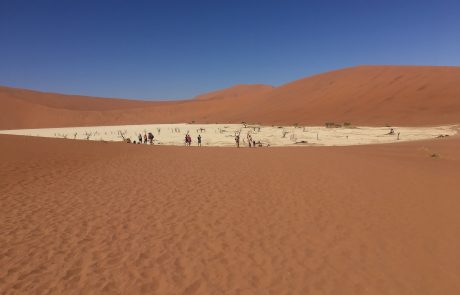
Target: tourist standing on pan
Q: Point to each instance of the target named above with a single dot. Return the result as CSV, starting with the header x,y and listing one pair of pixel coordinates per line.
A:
x,y
151,137
237,140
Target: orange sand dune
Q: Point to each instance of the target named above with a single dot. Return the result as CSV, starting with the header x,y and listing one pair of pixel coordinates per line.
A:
x,y
366,95
91,217
70,102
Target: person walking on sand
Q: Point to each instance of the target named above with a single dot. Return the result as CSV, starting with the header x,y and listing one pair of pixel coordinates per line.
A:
x,y
199,140
140,138
145,138
237,140
151,137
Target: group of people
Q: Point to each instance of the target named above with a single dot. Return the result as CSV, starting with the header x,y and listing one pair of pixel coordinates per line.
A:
x,y
188,140
147,138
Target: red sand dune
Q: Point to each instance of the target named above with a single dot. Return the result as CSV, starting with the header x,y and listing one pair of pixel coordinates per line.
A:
x,y
70,102
82,217
366,95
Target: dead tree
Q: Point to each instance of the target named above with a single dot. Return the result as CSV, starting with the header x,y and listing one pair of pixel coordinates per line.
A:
x,y
284,133
88,135
122,134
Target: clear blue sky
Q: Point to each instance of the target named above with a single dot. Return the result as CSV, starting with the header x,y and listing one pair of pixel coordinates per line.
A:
x,y
177,49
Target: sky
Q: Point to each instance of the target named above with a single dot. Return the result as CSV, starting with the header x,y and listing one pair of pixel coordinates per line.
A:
x,y
170,49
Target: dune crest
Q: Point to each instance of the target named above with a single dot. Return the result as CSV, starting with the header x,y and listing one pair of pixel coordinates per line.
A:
x,y
236,91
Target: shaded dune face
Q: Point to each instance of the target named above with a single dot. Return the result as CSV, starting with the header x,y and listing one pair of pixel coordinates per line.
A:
x,y
365,95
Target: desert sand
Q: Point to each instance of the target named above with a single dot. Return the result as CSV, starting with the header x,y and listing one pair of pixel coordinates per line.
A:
x,y
223,135
349,216
364,96
88,217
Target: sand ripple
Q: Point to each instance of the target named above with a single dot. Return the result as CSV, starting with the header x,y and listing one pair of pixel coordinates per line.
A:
x,y
96,218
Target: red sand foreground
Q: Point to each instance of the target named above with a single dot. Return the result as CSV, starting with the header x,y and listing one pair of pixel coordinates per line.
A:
x,y
92,217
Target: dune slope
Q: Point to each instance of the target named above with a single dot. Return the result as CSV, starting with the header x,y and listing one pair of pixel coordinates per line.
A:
x,y
375,95
366,95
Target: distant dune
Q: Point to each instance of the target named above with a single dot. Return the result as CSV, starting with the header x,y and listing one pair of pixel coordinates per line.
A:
x,y
364,95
